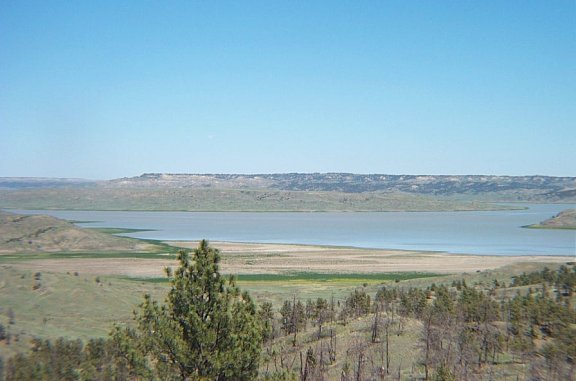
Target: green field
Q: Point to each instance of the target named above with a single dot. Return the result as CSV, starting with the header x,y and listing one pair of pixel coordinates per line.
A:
x,y
276,288
313,277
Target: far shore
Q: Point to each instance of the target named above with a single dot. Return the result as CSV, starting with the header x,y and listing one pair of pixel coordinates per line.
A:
x,y
264,258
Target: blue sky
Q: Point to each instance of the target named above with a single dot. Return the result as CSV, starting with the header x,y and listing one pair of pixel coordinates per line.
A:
x,y
106,89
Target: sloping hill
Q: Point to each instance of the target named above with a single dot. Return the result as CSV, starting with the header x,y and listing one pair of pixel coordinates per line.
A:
x,y
566,219
154,198
21,233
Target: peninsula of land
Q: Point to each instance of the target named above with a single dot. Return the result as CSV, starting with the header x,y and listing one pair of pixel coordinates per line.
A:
x,y
566,219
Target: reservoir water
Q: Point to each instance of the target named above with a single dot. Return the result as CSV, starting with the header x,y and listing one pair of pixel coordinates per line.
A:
x,y
485,233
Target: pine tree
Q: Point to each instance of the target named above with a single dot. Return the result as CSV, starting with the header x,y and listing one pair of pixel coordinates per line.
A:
x,y
206,330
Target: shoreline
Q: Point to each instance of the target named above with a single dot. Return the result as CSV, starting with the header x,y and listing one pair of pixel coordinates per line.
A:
x,y
252,258
241,258
238,245
494,206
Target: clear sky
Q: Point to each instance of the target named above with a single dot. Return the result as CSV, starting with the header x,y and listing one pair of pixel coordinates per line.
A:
x,y
106,89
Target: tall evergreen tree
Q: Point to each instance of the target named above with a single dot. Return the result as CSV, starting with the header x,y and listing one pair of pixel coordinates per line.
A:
x,y
206,330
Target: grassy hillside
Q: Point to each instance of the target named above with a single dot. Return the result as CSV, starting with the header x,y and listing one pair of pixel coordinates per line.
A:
x,y
190,199
79,305
563,220
41,234
75,305
72,304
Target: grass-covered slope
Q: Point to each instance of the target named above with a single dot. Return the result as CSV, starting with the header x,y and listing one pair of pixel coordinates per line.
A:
x,y
73,304
233,200
563,220
38,233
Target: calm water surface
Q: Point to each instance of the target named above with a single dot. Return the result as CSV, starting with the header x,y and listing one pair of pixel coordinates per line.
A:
x,y
489,233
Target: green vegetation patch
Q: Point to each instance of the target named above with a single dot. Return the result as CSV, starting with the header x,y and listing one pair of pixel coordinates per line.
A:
x,y
538,226
120,230
331,277
155,280
358,278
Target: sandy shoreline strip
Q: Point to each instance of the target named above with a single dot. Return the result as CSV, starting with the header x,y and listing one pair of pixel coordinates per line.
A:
x,y
263,258
246,258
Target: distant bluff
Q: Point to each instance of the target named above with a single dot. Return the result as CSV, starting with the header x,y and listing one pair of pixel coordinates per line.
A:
x,y
526,188
478,187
